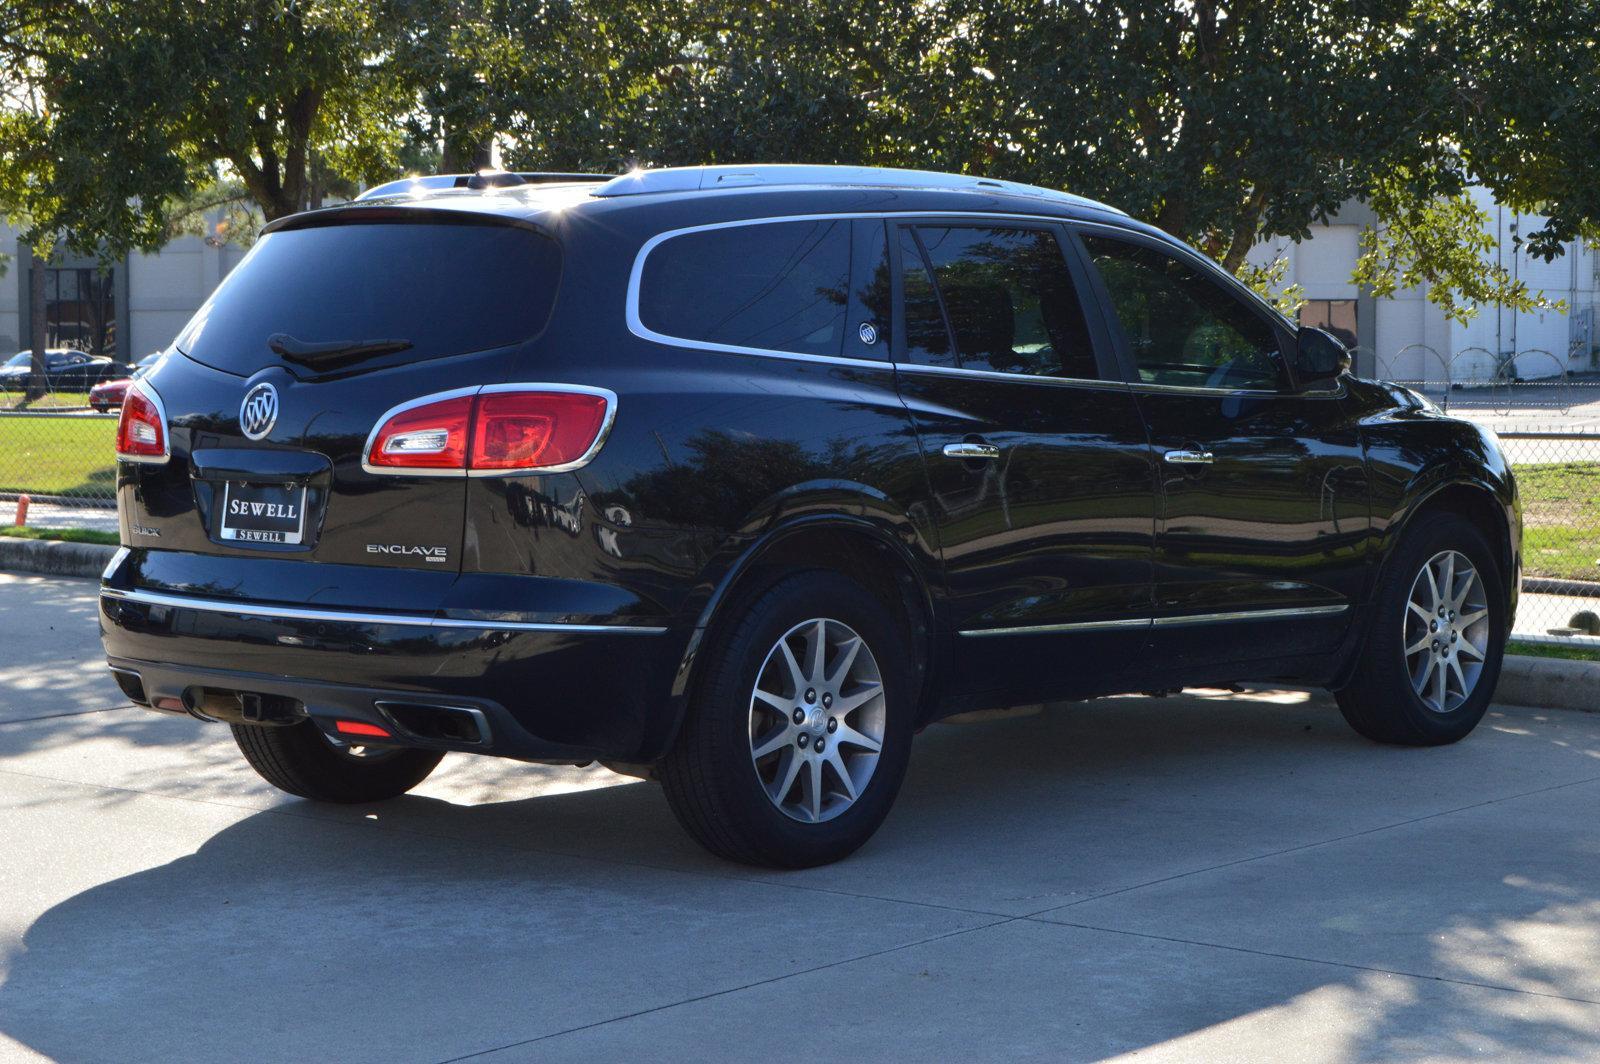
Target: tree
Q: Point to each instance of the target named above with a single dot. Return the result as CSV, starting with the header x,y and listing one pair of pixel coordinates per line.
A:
x,y
1221,122
153,102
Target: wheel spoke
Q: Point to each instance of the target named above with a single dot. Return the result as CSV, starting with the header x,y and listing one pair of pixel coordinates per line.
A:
x,y
795,672
1450,579
780,738
849,703
1420,611
778,702
1466,621
1467,648
812,788
1461,677
1433,586
847,657
816,651
1421,644
1439,685
836,759
847,734
1419,682
785,777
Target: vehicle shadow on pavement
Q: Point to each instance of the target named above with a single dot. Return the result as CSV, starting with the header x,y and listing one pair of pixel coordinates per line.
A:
x,y
1303,869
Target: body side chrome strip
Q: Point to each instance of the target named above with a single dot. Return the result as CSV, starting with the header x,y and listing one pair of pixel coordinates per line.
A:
x,y
301,613
1162,622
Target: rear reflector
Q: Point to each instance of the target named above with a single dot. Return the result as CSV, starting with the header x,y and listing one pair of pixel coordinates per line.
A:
x,y
505,430
142,427
356,727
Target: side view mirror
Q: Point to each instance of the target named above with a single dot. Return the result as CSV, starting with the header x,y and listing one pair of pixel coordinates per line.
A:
x,y
1319,357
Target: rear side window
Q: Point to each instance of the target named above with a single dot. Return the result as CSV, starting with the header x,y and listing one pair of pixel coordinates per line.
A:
x,y
779,286
446,288
1008,299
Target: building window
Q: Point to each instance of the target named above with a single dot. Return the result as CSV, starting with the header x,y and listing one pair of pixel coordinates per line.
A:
x,y
80,309
1337,316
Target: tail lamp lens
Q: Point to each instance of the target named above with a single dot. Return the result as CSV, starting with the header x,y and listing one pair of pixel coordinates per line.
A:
x,y
496,431
531,430
431,436
141,430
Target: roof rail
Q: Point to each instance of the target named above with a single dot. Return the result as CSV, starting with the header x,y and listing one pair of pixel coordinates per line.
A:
x,y
695,178
481,179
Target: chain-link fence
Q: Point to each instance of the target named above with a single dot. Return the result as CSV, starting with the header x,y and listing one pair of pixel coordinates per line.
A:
x,y
1548,427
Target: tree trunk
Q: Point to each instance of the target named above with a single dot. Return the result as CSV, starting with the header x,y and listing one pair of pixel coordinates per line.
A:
x,y
38,331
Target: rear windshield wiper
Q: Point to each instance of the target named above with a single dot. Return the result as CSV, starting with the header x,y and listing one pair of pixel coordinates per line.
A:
x,y
331,353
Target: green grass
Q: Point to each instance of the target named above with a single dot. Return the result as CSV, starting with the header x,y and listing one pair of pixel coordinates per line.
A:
x,y
70,535
58,455
1561,519
1552,650
13,400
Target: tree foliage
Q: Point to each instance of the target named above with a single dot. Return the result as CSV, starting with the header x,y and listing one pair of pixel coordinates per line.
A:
x,y
1223,121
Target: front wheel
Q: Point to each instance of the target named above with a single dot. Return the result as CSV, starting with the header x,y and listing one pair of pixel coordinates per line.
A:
x,y
1435,642
800,731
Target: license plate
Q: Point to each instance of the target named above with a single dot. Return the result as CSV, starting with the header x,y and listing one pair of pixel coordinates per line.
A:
x,y
263,513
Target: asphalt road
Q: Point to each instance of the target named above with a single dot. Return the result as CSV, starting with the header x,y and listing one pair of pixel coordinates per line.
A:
x,y
1204,877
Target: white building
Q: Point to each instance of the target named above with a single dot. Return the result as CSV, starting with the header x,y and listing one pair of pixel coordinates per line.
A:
x,y
1405,337
129,310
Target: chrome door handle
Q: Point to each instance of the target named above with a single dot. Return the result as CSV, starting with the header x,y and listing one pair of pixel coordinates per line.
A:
x,y
969,451
1190,457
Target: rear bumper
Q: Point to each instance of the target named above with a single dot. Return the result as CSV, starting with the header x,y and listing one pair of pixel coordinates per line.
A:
x,y
546,691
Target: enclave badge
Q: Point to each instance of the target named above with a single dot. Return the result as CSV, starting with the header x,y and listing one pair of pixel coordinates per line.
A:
x,y
259,411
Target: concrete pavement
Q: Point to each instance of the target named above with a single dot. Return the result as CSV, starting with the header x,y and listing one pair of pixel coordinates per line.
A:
x,y
1201,877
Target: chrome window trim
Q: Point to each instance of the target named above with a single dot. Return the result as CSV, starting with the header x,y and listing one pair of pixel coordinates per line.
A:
x,y
456,393
1267,614
148,390
638,328
303,613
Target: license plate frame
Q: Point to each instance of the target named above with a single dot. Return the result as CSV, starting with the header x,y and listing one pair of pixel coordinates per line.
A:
x,y
255,513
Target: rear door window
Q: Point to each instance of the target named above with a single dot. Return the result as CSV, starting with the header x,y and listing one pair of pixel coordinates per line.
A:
x,y
447,288
1007,297
776,286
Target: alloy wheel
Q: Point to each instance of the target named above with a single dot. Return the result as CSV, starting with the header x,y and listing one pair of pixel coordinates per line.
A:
x,y
1446,631
817,720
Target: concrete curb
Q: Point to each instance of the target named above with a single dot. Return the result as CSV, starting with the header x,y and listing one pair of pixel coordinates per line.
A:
x,y
1549,683
54,557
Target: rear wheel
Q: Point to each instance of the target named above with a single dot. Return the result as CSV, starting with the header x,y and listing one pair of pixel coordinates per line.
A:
x,y
303,760
799,733
1435,642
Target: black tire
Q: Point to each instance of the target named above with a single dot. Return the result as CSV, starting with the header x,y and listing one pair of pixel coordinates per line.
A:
x,y
1380,701
299,759
709,777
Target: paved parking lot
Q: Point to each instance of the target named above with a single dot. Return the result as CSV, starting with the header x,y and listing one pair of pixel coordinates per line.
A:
x,y
1212,876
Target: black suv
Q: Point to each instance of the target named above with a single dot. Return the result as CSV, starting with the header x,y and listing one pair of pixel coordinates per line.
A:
x,y
736,477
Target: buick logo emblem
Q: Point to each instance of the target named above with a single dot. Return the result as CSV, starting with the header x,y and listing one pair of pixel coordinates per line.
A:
x,y
259,411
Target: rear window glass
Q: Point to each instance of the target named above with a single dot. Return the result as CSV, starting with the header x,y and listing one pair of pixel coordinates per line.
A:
x,y
448,288
780,286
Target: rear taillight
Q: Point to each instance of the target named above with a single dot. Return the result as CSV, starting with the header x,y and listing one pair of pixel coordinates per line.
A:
x,y
423,435
499,430
142,428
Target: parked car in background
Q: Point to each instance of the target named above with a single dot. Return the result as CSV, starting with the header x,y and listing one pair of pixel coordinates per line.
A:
x,y
737,477
108,395
65,370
